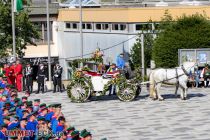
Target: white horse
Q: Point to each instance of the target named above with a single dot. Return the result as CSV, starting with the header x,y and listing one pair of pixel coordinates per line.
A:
x,y
176,76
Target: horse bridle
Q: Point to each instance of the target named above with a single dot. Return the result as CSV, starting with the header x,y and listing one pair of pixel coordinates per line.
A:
x,y
184,70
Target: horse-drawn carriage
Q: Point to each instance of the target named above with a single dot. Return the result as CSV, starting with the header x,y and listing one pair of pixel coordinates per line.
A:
x,y
86,84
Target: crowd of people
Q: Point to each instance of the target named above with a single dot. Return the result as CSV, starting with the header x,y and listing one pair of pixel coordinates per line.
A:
x,y
44,122
17,74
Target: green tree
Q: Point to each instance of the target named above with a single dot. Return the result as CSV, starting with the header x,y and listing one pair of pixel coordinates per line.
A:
x,y
187,32
25,30
136,51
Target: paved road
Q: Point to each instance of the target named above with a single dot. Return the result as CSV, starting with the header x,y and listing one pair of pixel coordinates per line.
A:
x,y
172,119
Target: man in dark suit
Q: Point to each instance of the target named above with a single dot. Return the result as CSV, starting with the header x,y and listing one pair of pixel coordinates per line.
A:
x,y
41,77
29,78
57,77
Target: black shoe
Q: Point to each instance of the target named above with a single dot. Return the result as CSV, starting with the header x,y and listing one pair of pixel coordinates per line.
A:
x,y
42,92
54,91
37,92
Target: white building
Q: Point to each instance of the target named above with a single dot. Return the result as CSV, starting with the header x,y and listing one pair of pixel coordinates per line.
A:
x,y
113,30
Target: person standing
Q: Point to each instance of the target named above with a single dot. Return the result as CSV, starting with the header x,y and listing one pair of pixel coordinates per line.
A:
x,y
57,77
11,76
205,74
18,75
29,78
197,77
41,77
112,71
6,71
120,61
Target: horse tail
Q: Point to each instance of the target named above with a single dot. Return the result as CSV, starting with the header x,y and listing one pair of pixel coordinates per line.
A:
x,y
152,85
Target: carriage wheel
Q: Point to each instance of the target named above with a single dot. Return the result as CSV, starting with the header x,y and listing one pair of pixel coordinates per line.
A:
x,y
126,94
79,93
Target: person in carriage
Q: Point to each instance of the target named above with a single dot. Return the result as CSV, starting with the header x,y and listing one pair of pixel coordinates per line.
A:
x,y
206,75
112,72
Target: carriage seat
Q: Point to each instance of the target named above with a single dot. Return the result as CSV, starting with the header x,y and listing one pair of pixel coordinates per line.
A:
x,y
91,74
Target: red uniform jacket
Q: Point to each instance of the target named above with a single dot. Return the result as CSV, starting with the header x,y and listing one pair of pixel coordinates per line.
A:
x,y
11,71
18,70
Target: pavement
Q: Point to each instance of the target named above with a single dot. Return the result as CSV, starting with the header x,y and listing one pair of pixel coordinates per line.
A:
x,y
142,119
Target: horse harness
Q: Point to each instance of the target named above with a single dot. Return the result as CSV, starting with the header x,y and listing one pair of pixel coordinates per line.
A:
x,y
185,72
177,76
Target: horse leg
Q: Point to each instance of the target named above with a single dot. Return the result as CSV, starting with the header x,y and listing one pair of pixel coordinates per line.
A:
x,y
183,91
177,87
158,86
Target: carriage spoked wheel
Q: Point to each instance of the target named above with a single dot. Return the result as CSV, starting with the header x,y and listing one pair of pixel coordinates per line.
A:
x,y
79,93
126,94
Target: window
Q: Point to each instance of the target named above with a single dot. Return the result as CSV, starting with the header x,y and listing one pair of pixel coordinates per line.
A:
x,y
102,26
105,26
42,29
157,26
115,27
74,25
121,27
138,27
71,25
83,26
68,25
144,27
98,26
87,26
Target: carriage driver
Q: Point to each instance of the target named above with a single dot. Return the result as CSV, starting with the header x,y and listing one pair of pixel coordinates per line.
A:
x,y
113,71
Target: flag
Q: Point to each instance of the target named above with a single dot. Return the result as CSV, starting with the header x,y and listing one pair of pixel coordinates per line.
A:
x,y
18,5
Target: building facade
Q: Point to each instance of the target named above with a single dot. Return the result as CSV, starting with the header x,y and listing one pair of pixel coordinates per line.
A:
x,y
39,54
113,30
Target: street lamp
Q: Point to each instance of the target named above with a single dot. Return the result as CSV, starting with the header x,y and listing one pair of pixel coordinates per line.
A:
x,y
142,56
81,34
48,43
13,29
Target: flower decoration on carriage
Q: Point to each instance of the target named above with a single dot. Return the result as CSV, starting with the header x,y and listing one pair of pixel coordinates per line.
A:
x,y
78,74
97,55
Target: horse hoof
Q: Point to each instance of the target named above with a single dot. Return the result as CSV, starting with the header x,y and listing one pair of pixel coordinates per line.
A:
x,y
184,98
161,99
154,99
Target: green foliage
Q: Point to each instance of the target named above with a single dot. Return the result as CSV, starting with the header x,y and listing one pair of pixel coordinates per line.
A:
x,y
187,32
136,51
24,29
84,82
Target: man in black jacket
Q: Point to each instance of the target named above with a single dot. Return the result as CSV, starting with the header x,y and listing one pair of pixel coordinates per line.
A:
x,y
29,78
57,77
41,77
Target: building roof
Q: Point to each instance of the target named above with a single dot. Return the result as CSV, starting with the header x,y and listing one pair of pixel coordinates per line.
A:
x,y
75,3
38,9
141,14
